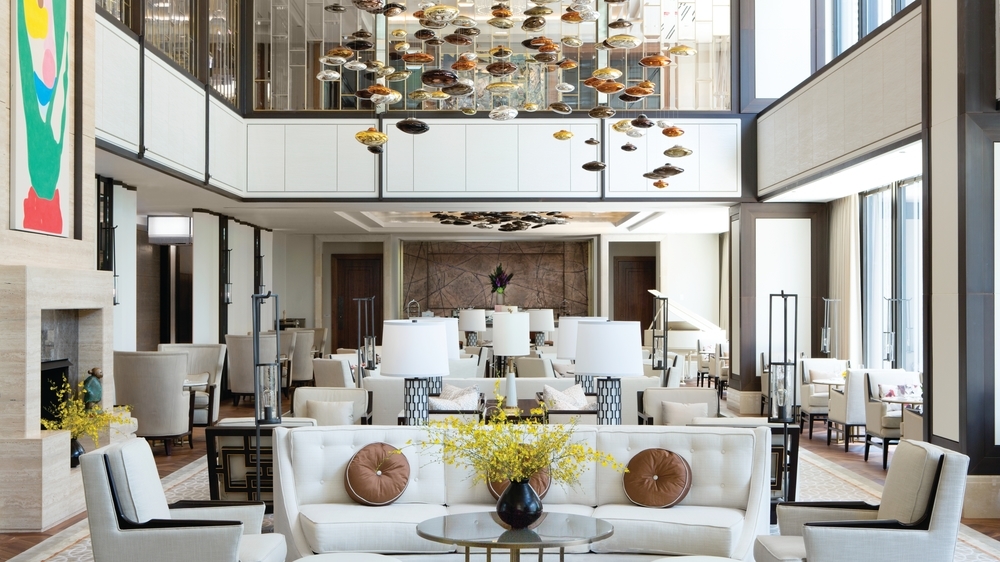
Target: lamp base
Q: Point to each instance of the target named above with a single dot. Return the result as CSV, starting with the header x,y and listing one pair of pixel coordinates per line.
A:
x,y
609,401
472,339
586,383
415,409
538,338
435,385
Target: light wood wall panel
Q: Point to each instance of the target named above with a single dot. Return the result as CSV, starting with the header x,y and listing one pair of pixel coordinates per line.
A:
x,y
864,102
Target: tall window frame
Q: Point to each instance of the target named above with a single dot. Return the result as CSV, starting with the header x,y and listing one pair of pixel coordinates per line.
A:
x,y
892,289
850,20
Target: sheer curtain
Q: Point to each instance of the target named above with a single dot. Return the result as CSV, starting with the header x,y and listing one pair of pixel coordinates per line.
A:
x,y
845,276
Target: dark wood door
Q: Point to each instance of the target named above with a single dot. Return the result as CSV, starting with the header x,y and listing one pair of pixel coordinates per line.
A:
x,y
355,276
634,276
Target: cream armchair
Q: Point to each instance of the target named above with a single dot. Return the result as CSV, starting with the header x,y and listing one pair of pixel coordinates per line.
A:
x,y
152,383
534,367
918,518
205,363
334,372
241,365
301,357
882,420
847,404
362,399
130,520
814,399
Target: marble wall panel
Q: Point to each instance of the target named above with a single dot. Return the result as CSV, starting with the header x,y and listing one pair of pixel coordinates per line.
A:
x,y
443,276
61,339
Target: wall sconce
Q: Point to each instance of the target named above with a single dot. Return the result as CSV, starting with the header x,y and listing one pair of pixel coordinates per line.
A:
x,y
227,291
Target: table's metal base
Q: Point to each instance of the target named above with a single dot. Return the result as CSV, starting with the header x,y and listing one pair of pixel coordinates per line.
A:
x,y
515,554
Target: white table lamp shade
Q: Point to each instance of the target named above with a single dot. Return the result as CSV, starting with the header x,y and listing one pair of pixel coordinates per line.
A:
x,y
472,320
541,320
609,349
566,340
414,349
451,333
510,334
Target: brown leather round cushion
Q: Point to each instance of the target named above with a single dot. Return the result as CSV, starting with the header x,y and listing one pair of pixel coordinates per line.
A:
x,y
539,482
377,475
657,478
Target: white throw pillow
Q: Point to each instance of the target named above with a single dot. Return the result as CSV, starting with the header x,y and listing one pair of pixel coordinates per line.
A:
x,y
675,413
573,398
331,413
455,398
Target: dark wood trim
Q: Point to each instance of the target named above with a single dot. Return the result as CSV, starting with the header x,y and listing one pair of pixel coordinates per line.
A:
x,y
853,161
78,142
201,15
208,138
748,213
244,97
142,96
166,310
925,133
821,72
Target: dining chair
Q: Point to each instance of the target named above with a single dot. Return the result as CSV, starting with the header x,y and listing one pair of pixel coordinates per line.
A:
x,y
152,384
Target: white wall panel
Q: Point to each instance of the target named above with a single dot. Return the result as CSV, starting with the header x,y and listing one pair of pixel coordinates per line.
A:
x,y
868,100
543,162
784,264
174,119
265,157
310,152
491,157
582,181
205,279
227,155
713,170
357,169
241,265
116,86
439,160
399,155
125,268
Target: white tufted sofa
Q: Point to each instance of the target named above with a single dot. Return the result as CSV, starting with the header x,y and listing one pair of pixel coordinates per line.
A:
x,y
726,508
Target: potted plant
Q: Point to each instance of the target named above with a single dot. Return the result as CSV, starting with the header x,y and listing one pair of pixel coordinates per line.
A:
x,y
498,282
74,415
508,448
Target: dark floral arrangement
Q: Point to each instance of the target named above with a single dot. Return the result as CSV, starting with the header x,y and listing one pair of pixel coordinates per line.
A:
x,y
499,279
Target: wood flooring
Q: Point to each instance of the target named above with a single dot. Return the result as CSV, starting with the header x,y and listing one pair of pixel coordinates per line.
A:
x,y
12,544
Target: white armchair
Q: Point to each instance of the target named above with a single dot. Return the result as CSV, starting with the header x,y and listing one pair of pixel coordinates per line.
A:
x,y
918,518
334,372
241,365
882,420
301,357
847,404
814,399
130,520
362,399
152,383
204,364
534,367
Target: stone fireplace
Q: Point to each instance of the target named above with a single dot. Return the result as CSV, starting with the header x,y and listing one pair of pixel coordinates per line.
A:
x,y
38,489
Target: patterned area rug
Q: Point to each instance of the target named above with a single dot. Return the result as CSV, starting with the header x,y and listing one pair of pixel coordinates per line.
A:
x,y
819,479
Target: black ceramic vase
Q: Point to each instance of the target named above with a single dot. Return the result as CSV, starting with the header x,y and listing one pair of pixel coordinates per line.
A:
x,y
519,505
75,450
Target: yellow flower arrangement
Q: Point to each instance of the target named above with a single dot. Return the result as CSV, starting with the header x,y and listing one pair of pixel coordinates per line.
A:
x,y
499,449
73,415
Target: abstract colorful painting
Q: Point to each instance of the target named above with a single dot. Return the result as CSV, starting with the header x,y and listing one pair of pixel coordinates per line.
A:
x,y
41,172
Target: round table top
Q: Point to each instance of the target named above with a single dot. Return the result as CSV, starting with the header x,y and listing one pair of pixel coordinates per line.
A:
x,y
484,529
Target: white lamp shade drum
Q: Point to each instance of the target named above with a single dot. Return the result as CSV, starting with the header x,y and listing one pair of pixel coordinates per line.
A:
x,y
510,334
608,351
540,322
451,329
472,321
416,351
566,342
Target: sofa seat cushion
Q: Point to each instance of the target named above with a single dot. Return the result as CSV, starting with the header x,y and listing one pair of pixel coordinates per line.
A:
x,y
891,420
819,399
339,527
268,547
547,508
682,529
200,399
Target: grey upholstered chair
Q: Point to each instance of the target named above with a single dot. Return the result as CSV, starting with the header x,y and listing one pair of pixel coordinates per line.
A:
x,y
335,371
241,365
205,362
301,357
533,367
152,383
847,404
918,518
130,520
361,398
815,398
882,420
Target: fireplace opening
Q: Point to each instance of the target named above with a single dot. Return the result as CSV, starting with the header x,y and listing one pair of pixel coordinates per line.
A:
x,y
53,375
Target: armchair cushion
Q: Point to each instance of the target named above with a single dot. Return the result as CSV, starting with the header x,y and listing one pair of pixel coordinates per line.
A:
x,y
819,398
909,483
262,548
573,398
906,391
675,413
330,413
455,398
778,548
892,419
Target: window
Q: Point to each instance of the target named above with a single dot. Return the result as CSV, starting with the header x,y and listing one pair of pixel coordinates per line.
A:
x,y
120,9
850,20
892,269
170,27
224,47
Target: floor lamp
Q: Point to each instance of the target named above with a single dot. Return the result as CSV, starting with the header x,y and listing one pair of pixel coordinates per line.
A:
x,y
416,352
451,348
608,351
510,339
540,322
